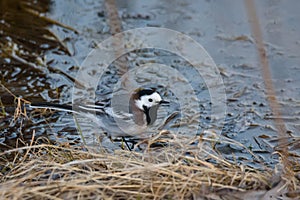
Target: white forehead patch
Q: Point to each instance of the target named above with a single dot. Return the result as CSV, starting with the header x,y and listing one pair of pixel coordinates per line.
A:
x,y
148,100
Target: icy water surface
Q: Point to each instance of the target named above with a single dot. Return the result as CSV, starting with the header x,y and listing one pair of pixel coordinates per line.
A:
x,y
43,44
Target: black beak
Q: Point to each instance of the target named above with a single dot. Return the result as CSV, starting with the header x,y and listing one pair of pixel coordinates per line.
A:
x,y
164,102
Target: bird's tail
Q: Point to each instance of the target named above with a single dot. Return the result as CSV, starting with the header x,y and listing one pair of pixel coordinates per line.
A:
x,y
69,108
54,106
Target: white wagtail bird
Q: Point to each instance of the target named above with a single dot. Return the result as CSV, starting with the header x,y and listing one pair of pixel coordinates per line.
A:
x,y
143,108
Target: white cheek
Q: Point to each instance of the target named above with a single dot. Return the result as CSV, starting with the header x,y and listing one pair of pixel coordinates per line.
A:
x,y
145,102
139,104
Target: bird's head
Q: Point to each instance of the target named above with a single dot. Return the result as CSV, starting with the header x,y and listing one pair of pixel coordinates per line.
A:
x,y
148,101
146,98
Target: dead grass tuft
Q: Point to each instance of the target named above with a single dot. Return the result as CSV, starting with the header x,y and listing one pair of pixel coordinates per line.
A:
x,y
56,172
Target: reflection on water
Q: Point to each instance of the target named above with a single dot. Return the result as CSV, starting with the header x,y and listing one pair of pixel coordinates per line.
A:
x,y
24,41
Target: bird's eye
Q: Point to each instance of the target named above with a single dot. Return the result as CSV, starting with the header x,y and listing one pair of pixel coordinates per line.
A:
x,y
150,100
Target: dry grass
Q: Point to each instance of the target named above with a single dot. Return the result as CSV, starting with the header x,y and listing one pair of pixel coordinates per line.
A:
x,y
174,172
